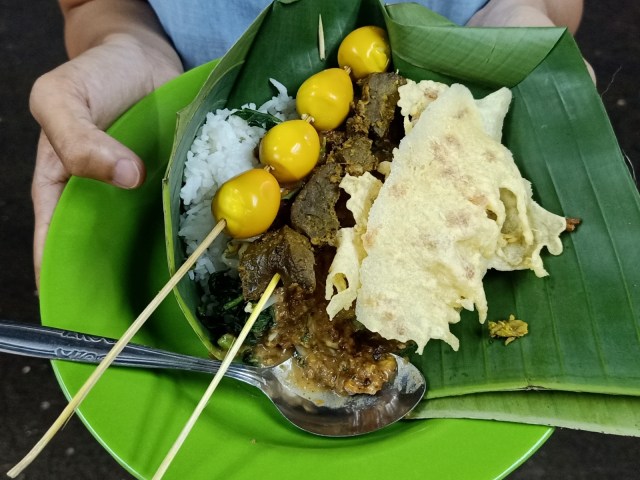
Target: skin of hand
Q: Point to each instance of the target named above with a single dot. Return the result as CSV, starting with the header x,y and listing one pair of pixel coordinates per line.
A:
x,y
118,54
531,13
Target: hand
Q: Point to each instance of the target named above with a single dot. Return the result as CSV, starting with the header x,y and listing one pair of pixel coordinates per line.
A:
x,y
73,104
510,14
531,13
50,178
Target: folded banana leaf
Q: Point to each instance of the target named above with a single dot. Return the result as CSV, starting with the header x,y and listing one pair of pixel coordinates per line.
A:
x,y
583,319
601,413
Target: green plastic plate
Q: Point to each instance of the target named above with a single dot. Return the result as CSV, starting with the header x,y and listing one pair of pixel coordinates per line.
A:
x,y
105,260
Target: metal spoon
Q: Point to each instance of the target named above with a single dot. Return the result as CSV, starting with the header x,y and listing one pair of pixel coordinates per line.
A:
x,y
318,412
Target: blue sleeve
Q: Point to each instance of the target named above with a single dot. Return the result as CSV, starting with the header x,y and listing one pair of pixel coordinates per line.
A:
x,y
201,31
458,11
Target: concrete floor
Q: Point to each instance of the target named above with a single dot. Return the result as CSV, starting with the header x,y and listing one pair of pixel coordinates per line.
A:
x,y
31,44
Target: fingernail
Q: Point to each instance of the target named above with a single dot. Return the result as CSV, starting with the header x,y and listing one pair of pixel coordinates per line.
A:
x,y
126,174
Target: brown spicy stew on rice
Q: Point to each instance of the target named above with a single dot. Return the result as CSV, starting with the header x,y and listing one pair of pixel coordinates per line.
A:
x,y
329,248
336,354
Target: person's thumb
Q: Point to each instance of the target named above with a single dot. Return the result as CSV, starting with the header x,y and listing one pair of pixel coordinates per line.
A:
x,y
81,146
86,151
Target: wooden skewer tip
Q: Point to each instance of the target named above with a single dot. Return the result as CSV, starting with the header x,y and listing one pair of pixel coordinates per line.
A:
x,y
321,46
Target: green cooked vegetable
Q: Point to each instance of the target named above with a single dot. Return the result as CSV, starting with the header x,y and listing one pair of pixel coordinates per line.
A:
x,y
257,119
225,314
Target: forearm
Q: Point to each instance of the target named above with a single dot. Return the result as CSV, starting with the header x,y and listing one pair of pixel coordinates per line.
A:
x,y
89,23
530,13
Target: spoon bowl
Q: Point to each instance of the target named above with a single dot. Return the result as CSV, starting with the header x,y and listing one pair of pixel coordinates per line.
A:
x,y
319,412
326,413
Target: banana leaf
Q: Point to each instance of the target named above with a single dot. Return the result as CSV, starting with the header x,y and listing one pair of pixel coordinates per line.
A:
x,y
610,414
583,319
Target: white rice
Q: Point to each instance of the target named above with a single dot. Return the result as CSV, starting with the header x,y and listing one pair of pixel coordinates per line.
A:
x,y
224,147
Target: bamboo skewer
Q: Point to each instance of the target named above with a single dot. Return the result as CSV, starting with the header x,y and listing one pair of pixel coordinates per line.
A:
x,y
173,451
113,353
321,47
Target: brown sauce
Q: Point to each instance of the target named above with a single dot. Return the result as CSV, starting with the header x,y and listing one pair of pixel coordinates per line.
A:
x,y
333,354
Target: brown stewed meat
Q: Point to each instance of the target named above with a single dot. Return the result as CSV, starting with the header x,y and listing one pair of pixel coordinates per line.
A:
x,y
313,212
283,251
337,354
375,111
355,153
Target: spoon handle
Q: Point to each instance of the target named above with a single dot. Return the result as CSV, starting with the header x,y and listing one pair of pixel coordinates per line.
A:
x,y
55,344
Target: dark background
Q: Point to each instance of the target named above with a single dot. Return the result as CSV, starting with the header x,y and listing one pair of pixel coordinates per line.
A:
x,y
31,44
